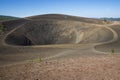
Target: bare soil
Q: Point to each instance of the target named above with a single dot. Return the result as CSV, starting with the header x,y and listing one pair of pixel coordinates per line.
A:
x,y
84,53
82,68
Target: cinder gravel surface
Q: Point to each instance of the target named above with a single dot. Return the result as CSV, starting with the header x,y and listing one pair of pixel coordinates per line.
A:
x,y
83,68
87,57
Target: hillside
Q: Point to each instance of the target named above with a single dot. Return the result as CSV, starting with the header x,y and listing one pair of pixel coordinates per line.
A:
x,y
56,29
76,48
7,18
66,17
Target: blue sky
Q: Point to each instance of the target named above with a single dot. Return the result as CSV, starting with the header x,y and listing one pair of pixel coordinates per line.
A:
x,y
84,8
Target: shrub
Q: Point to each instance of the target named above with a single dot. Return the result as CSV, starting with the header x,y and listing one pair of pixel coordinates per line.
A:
x,y
112,51
106,21
39,59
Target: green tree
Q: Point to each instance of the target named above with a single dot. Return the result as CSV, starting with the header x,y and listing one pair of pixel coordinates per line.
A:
x,y
106,21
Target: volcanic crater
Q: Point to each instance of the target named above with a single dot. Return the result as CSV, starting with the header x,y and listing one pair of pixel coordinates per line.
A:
x,y
58,29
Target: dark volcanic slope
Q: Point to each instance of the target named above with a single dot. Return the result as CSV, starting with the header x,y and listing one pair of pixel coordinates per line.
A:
x,y
10,25
66,17
82,36
57,29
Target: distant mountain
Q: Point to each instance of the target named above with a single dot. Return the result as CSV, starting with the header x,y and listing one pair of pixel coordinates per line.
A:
x,y
111,19
7,18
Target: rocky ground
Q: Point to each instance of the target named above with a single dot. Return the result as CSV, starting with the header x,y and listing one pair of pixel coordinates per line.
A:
x,y
72,48
83,68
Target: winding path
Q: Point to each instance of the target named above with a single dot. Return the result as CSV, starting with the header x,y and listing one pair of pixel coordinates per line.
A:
x,y
71,50
115,38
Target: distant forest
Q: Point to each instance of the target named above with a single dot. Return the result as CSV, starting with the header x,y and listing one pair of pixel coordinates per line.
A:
x,y
112,19
7,18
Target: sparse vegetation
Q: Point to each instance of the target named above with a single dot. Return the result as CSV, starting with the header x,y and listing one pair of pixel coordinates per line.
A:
x,y
111,19
31,60
39,59
105,21
57,46
36,60
112,51
7,18
1,28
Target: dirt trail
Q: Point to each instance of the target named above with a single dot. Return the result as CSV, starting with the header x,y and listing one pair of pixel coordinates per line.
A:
x,y
69,50
114,45
61,61
115,38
